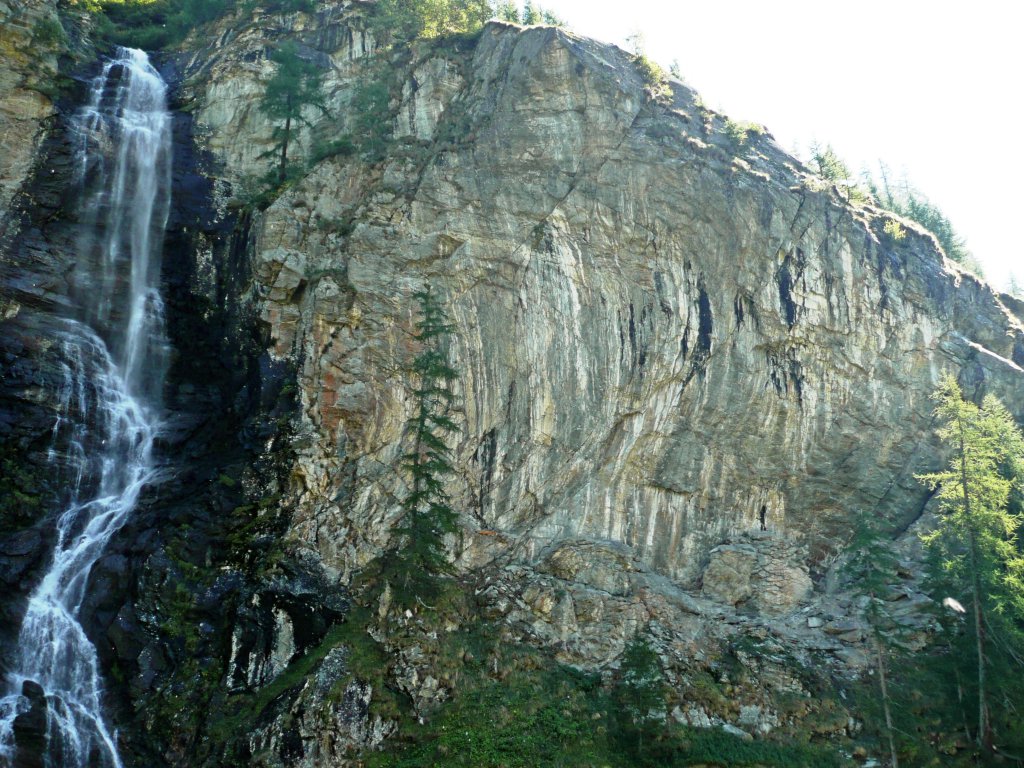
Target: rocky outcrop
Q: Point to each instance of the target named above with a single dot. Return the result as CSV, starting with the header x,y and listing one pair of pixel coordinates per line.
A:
x,y
660,332
30,37
36,169
762,570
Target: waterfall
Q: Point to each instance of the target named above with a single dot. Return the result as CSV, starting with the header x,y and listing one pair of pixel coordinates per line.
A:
x,y
114,354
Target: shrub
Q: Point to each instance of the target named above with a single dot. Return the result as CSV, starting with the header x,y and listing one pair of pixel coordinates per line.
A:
x,y
894,231
48,33
653,75
739,132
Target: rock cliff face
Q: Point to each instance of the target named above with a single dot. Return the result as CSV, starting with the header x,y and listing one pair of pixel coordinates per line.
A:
x,y
665,336
668,337
662,333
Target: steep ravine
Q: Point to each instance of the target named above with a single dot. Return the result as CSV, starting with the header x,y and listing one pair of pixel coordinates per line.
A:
x,y
661,334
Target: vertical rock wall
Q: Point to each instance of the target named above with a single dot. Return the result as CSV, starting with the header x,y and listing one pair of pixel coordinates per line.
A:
x,y
659,331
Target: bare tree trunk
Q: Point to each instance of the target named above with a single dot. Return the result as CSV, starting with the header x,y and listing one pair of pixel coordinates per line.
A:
x,y
885,703
984,726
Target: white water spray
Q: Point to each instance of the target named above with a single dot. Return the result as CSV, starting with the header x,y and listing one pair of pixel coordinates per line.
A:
x,y
114,358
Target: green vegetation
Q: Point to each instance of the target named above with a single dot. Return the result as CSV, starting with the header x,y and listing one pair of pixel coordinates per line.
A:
x,y
283,7
294,87
342,146
872,569
650,71
653,75
531,14
157,24
975,557
829,166
371,105
911,204
246,708
639,697
48,33
514,707
902,199
20,490
739,133
1014,288
894,231
418,563
532,717
399,21
153,24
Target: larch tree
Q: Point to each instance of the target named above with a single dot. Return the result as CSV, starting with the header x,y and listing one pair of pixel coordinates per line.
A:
x,y
418,563
294,86
975,541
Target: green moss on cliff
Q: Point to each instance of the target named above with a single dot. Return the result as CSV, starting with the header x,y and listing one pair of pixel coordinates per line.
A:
x,y
20,491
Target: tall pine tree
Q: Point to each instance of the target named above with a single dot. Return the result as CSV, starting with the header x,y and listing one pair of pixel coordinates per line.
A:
x,y
975,541
417,566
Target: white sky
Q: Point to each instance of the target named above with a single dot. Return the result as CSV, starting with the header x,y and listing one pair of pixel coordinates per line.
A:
x,y
932,88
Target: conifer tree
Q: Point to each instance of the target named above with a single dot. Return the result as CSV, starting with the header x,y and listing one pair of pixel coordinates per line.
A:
x,y
639,695
404,20
416,567
975,541
1014,287
531,14
508,11
902,198
872,569
295,85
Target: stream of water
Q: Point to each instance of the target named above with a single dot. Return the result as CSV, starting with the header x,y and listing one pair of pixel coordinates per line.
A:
x,y
114,359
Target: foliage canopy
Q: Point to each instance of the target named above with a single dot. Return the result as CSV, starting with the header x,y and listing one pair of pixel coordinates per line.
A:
x,y
975,557
402,20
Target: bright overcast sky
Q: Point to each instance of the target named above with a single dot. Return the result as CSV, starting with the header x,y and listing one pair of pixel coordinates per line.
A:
x,y
933,89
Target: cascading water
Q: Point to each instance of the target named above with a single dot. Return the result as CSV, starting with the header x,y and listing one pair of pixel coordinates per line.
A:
x,y
114,354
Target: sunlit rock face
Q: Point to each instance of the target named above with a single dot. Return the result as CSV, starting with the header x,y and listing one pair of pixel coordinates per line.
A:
x,y
27,68
664,336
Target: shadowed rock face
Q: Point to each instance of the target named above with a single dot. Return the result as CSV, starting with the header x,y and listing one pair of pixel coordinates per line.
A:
x,y
658,331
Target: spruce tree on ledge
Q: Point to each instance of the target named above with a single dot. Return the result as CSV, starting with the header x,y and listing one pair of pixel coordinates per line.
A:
x,y
295,84
418,565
